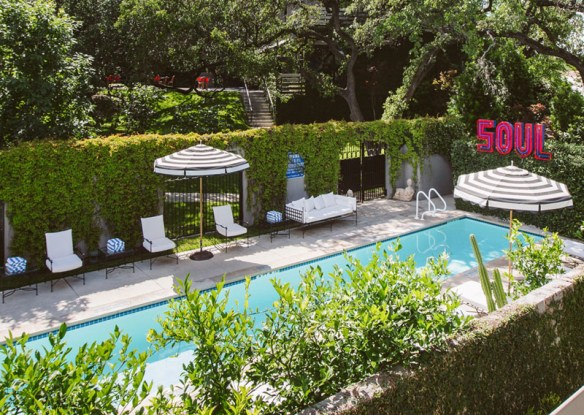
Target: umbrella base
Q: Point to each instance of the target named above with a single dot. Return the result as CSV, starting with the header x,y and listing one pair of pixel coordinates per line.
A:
x,y
201,255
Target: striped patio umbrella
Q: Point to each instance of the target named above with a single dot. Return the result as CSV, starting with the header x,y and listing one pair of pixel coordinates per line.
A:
x,y
512,188
200,161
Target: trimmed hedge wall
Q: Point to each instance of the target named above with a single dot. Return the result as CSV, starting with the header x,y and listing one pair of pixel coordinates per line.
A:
x,y
55,185
500,367
566,166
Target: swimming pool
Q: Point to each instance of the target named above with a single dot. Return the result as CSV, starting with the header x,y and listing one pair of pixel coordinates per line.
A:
x,y
451,237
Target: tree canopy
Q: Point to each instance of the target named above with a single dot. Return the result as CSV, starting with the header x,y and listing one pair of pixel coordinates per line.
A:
x,y
43,82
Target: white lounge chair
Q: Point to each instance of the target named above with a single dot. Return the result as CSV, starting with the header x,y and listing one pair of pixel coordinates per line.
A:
x,y
155,239
225,225
60,254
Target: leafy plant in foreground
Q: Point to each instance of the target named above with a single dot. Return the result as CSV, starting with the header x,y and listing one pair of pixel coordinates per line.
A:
x,y
536,261
318,337
102,378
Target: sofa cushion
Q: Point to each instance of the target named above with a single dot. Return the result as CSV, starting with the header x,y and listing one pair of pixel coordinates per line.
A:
x,y
319,202
329,200
326,213
298,204
309,204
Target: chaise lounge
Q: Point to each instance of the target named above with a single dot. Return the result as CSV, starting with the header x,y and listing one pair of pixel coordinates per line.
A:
x,y
321,209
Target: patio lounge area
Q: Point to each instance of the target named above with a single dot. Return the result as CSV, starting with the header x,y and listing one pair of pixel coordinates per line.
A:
x,y
72,302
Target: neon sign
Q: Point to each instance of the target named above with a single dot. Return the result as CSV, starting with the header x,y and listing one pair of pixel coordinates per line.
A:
x,y
504,137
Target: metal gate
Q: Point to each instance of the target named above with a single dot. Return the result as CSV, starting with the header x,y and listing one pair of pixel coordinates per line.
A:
x,y
363,171
2,233
181,202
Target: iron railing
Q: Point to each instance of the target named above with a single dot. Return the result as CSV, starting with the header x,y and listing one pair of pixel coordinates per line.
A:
x,y
250,115
182,208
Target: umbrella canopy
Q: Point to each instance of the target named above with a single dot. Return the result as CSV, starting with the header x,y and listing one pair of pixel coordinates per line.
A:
x,y
200,161
512,188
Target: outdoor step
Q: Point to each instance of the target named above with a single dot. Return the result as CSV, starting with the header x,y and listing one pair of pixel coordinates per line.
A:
x,y
258,109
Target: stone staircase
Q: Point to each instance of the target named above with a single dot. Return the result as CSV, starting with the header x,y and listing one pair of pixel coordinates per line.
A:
x,y
259,115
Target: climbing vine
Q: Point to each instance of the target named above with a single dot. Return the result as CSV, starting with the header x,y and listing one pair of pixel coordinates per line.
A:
x,y
106,184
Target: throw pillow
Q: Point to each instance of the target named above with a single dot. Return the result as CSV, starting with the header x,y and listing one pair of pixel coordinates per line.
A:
x,y
319,202
329,200
298,204
309,204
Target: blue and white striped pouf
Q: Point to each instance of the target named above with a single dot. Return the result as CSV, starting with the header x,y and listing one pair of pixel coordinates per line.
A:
x,y
15,265
115,245
273,216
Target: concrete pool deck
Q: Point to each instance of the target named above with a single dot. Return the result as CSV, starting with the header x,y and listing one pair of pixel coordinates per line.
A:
x,y
72,302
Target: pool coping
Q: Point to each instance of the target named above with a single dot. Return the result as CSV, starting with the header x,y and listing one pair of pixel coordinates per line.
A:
x,y
239,279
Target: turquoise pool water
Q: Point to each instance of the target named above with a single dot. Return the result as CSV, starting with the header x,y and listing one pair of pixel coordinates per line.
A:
x,y
451,237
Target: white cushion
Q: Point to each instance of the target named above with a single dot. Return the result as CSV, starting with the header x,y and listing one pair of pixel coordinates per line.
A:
x,y
309,204
319,202
298,204
65,263
326,213
231,230
329,200
159,245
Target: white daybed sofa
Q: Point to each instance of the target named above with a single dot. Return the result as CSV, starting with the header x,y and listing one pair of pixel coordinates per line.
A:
x,y
322,208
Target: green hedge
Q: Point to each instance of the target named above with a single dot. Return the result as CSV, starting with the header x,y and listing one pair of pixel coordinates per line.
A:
x,y
54,185
500,367
566,166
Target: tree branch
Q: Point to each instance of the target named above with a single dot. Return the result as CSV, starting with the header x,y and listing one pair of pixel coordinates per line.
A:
x,y
571,59
569,5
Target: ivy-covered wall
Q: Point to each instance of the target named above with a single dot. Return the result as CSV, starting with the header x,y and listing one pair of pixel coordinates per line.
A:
x,y
508,363
54,185
566,166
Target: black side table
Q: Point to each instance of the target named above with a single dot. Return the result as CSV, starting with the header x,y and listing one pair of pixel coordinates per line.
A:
x,y
281,227
30,287
118,258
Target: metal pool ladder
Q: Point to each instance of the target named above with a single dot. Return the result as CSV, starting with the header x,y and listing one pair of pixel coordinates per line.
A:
x,y
431,206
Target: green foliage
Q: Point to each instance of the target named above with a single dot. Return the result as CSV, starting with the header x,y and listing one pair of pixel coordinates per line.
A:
x,y
138,107
96,34
567,166
546,405
149,109
493,290
43,83
222,36
567,106
223,343
503,366
51,186
314,340
536,261
54,381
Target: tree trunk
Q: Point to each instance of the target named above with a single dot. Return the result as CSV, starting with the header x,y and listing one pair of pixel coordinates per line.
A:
x,y
349,93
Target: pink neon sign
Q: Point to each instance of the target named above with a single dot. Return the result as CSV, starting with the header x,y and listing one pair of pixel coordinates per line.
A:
x,y
525,139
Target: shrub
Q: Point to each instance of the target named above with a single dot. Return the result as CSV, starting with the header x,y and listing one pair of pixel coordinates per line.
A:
x,y
315,339
536,261
100,378
138,107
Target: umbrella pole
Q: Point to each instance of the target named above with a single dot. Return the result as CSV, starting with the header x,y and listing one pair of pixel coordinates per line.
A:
x,y
201,255
201,212
510,247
